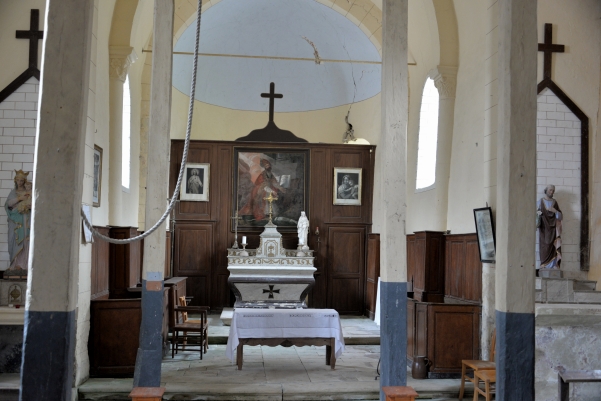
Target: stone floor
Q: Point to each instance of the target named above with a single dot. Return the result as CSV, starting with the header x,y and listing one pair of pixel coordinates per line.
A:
x,y
270,373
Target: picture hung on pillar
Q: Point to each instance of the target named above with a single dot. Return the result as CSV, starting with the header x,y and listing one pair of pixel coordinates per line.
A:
x,y
195,182
485,230
284,173
347,186
97,185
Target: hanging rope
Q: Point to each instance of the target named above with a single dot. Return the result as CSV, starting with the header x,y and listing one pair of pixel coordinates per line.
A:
x,y
184,157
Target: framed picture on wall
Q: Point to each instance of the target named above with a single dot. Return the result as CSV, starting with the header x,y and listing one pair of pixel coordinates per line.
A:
x,y
195,183
485,230
282,172
347,186
97,185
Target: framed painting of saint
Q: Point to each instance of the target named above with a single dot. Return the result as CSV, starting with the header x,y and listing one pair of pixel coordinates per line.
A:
x,y
485,230
195,182
347,186
283,173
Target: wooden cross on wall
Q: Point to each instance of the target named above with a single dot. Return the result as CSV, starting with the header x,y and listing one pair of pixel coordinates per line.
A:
x,y
271,95
33,35
548,48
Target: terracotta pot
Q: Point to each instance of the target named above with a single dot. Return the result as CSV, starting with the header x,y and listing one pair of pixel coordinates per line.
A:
x,y
419,369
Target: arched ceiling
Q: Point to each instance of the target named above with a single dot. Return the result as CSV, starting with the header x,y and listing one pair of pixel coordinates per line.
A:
x,y
261,31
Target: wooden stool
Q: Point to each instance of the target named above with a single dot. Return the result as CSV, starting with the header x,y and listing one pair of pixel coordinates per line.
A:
x,y
399,393
488,377
147,393
477,366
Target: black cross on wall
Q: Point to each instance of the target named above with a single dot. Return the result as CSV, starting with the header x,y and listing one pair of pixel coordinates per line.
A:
x,y
271,95
548,48
271,291
33,35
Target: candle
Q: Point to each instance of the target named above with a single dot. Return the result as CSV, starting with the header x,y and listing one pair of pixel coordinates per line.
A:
x,y
316,230
244,239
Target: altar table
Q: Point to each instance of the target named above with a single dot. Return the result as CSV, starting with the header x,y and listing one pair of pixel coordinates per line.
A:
x,y
285,327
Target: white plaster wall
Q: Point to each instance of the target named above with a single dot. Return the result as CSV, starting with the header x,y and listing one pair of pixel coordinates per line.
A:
x,y
577,72
558,157
466,182
18,117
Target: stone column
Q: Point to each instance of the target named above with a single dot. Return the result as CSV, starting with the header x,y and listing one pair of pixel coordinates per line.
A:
x,y
392,154
148,362
121,58
516,183
49,343
490,167
445,80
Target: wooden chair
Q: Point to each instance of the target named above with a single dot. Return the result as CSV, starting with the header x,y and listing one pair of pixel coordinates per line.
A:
x,y
488,377
193,332
183,301
476,366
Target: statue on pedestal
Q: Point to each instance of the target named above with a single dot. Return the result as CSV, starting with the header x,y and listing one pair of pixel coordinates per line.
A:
x,y
303,230
548,222
18,211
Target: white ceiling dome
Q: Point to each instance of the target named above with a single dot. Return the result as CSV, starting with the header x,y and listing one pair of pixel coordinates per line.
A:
x,y
277,28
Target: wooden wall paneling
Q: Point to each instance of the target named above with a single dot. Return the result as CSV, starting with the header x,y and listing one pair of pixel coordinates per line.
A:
x,y
100,266
355,158
410,328
419,266
410,262
446,348
125,264
223,210
320,199
193,259
421,329
463,268
167,270
186,210
454,267
346,269
373,272
473,271
429,266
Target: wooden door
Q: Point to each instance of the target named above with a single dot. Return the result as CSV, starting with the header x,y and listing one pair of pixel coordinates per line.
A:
x,y
346,269
192,259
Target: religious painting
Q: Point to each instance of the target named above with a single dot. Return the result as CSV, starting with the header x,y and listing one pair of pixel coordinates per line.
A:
x,y
195,182
485,230
281,173
347,186
97,185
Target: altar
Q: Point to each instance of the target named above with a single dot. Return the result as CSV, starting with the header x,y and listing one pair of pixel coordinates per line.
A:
x,y
270,276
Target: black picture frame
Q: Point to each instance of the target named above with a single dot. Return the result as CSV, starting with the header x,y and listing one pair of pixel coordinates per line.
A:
x,y
97,183
289,169
485,231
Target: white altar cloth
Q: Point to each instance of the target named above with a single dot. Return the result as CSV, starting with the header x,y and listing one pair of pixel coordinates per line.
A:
x,y
284,323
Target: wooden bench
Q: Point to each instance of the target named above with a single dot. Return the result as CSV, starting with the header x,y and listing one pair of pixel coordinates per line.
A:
x,y
575,376
330,344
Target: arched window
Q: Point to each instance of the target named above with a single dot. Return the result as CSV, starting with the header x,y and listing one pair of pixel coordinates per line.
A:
x,y
428,133
125,135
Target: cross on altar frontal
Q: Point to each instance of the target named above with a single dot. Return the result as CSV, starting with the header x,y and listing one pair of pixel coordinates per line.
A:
x,y
271,95
548,48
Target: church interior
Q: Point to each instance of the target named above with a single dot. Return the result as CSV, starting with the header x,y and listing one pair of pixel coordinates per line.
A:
x,y
446,155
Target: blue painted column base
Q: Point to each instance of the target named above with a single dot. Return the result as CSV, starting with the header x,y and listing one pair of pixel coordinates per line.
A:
x,y
393,334
48,351
515,356
147,372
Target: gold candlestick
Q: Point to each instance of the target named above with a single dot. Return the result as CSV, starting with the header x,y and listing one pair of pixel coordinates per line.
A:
x,y
270,199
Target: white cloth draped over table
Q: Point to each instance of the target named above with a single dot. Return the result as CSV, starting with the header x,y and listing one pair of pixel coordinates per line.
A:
x,y
284,323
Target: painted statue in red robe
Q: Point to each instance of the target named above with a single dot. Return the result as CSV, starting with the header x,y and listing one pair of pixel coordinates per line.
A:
x,y
265,183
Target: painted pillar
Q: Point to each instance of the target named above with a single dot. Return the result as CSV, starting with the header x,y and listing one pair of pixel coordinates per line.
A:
x,y
121,58
516,183
148,362
491,89
49,332
392,154
445,80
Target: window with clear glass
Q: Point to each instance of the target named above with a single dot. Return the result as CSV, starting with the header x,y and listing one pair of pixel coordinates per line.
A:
x,y
428,136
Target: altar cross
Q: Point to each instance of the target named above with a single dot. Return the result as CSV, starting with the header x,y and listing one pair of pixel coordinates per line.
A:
x,y
271,291
548,48
33,35
271,95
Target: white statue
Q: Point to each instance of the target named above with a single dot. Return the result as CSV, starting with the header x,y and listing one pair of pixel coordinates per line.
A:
x,y
303,230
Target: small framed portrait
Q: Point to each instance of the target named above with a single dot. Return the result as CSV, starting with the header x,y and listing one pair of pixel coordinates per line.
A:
x,y
347,186
195,183
97,185
485,230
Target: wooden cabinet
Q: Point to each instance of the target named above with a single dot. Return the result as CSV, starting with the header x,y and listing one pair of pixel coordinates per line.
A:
x,y
426,258
445,334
